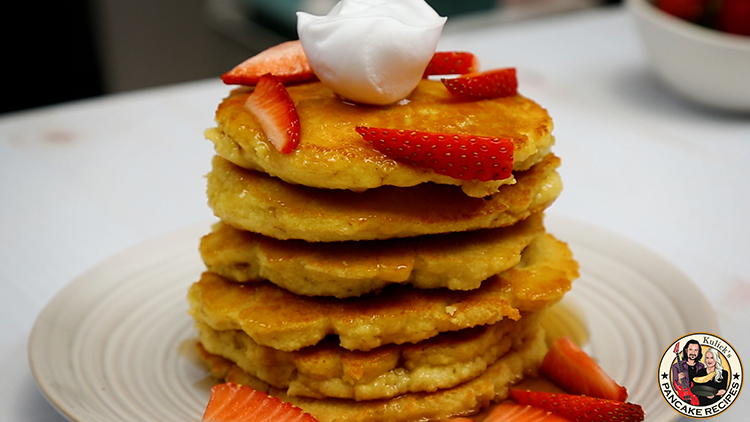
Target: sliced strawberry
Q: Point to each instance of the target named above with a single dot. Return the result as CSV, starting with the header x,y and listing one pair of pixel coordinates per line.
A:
x,y
512,412
577,373
287,61
734,17
689,10
451,63
274,110
460,156
580,408
490,84
235,403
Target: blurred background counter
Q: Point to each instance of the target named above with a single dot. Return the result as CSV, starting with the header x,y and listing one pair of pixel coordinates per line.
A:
x,y
63,51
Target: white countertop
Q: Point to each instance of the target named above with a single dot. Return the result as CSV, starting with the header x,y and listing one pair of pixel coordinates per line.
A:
x,y
82,181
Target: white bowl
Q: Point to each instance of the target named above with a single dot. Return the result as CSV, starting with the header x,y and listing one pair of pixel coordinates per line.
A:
x,y
704,65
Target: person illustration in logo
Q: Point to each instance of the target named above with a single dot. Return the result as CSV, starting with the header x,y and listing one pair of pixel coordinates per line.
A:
x,y
685,369
719,381
700,375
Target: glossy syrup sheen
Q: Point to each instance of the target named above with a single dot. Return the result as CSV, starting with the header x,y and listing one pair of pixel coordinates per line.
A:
x,y
328,123
331,154
566,319
277,318
562,319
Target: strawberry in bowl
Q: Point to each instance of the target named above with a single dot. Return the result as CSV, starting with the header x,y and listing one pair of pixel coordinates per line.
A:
x,y
689,55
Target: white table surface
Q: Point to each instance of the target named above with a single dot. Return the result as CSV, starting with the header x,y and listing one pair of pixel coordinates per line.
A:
x,y
82,181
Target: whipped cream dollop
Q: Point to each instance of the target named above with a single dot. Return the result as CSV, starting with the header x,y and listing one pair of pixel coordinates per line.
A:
x,y
371,51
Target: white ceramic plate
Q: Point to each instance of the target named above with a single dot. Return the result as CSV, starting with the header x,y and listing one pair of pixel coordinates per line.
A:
x,y
116,344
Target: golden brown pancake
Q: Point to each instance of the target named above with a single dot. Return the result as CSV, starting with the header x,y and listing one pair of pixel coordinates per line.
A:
x,y
464,399
276,318
256,202
457,261
331,154
327,370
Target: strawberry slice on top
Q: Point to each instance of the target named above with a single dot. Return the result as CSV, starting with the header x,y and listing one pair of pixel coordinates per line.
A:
x,y
287,61
734,17
568,366
275,112
495,83
513,412
231,402
580,408
451,63
460,156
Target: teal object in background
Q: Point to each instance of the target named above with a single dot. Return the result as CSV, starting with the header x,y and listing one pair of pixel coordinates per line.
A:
x,y
452,7
280,14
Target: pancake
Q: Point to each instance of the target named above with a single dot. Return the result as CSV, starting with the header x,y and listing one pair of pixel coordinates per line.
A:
x,y
457,261
276,318
256,202
332,155
327,370
464,399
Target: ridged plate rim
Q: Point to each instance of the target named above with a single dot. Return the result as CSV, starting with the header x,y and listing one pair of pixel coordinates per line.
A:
x,y
116,342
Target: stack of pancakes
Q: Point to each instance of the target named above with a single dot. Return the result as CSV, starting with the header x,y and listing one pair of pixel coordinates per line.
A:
x,y
360,288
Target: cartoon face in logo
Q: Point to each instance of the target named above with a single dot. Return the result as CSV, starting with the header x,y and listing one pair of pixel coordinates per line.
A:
x,y
703,378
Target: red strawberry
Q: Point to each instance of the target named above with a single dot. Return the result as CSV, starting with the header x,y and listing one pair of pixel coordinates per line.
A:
x,y
734,17
286,61
576,372
512,412
689,10
580,408
274,110
234,403
460,156
491,84
451,63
